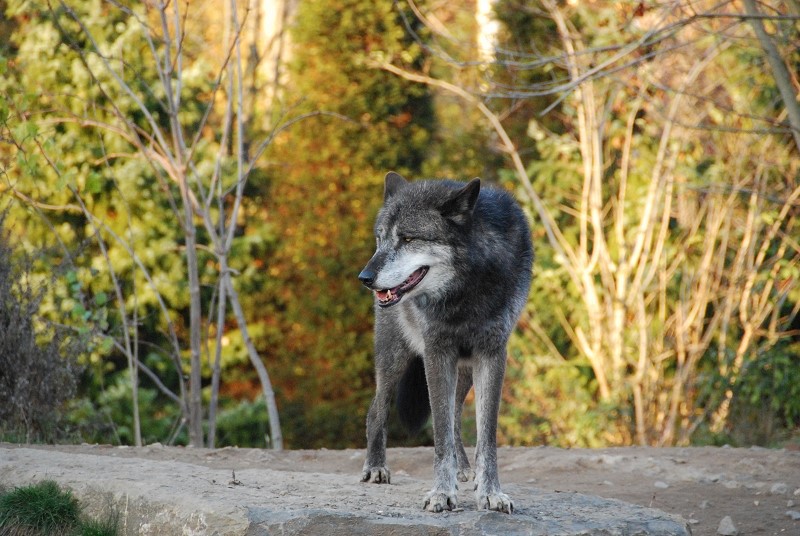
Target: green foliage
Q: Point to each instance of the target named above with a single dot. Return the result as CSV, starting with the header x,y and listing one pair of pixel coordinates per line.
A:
x,y
554,396
44,509
122,192
96,203
767,397
107,416
548,401
242,424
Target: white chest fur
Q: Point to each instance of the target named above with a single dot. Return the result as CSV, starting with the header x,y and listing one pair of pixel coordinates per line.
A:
x,y
411,325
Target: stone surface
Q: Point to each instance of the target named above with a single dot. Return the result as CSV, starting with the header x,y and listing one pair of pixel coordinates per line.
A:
x,y
155,497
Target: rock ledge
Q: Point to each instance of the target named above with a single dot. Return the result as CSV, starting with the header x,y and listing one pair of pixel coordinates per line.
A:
x,y
172,497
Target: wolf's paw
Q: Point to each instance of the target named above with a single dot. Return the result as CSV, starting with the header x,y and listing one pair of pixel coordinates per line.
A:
x,y
497,501
465,474
438,501
376,475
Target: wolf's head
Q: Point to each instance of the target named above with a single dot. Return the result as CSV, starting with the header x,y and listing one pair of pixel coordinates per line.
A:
x,y
417,232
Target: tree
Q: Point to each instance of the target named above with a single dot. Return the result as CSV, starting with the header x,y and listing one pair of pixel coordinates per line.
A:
x,y
149,101
324,190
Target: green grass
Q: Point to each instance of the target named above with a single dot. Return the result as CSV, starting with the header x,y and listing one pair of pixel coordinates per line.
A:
x,y
44,509
94,527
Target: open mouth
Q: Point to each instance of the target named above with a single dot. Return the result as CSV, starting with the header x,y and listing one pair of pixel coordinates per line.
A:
x,y
389,297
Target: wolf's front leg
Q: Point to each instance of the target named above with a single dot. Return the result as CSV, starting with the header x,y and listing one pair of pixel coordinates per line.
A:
x,y
488,376
441,374
375,468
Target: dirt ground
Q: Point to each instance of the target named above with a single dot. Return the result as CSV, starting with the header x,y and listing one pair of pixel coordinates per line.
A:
x,y
759,489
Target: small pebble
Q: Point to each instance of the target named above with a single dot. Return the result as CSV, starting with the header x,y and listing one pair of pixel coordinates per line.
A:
x,y
779,488
727,528
660,484
794,514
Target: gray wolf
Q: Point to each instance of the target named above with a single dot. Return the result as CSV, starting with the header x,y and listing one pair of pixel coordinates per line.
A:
x,y
450,275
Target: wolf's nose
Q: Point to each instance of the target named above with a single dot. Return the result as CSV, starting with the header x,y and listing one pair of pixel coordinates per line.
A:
x,y
367,277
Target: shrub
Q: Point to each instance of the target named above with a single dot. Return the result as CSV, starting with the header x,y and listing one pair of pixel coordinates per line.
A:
x,y
38,372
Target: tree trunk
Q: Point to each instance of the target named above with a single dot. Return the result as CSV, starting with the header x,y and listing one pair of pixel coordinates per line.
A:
x,y
195,324
255,360
222,302
488,27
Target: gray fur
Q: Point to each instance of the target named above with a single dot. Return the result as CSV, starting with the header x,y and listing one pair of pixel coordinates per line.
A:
x,y
475,243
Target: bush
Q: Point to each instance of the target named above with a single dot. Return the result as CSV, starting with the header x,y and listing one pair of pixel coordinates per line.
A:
x,y
38,371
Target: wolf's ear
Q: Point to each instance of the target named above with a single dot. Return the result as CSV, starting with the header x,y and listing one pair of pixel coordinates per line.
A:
x,y
459,207
394,182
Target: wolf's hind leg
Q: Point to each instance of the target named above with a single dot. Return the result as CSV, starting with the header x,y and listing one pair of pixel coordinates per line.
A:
x,y
465,472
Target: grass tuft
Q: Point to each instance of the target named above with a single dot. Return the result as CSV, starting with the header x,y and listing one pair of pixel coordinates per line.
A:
x,y
44,509
95,527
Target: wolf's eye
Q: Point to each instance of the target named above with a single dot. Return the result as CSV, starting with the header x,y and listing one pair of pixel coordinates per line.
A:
x,y
408,239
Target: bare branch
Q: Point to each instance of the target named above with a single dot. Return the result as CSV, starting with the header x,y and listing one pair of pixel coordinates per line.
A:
x,y
779,71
